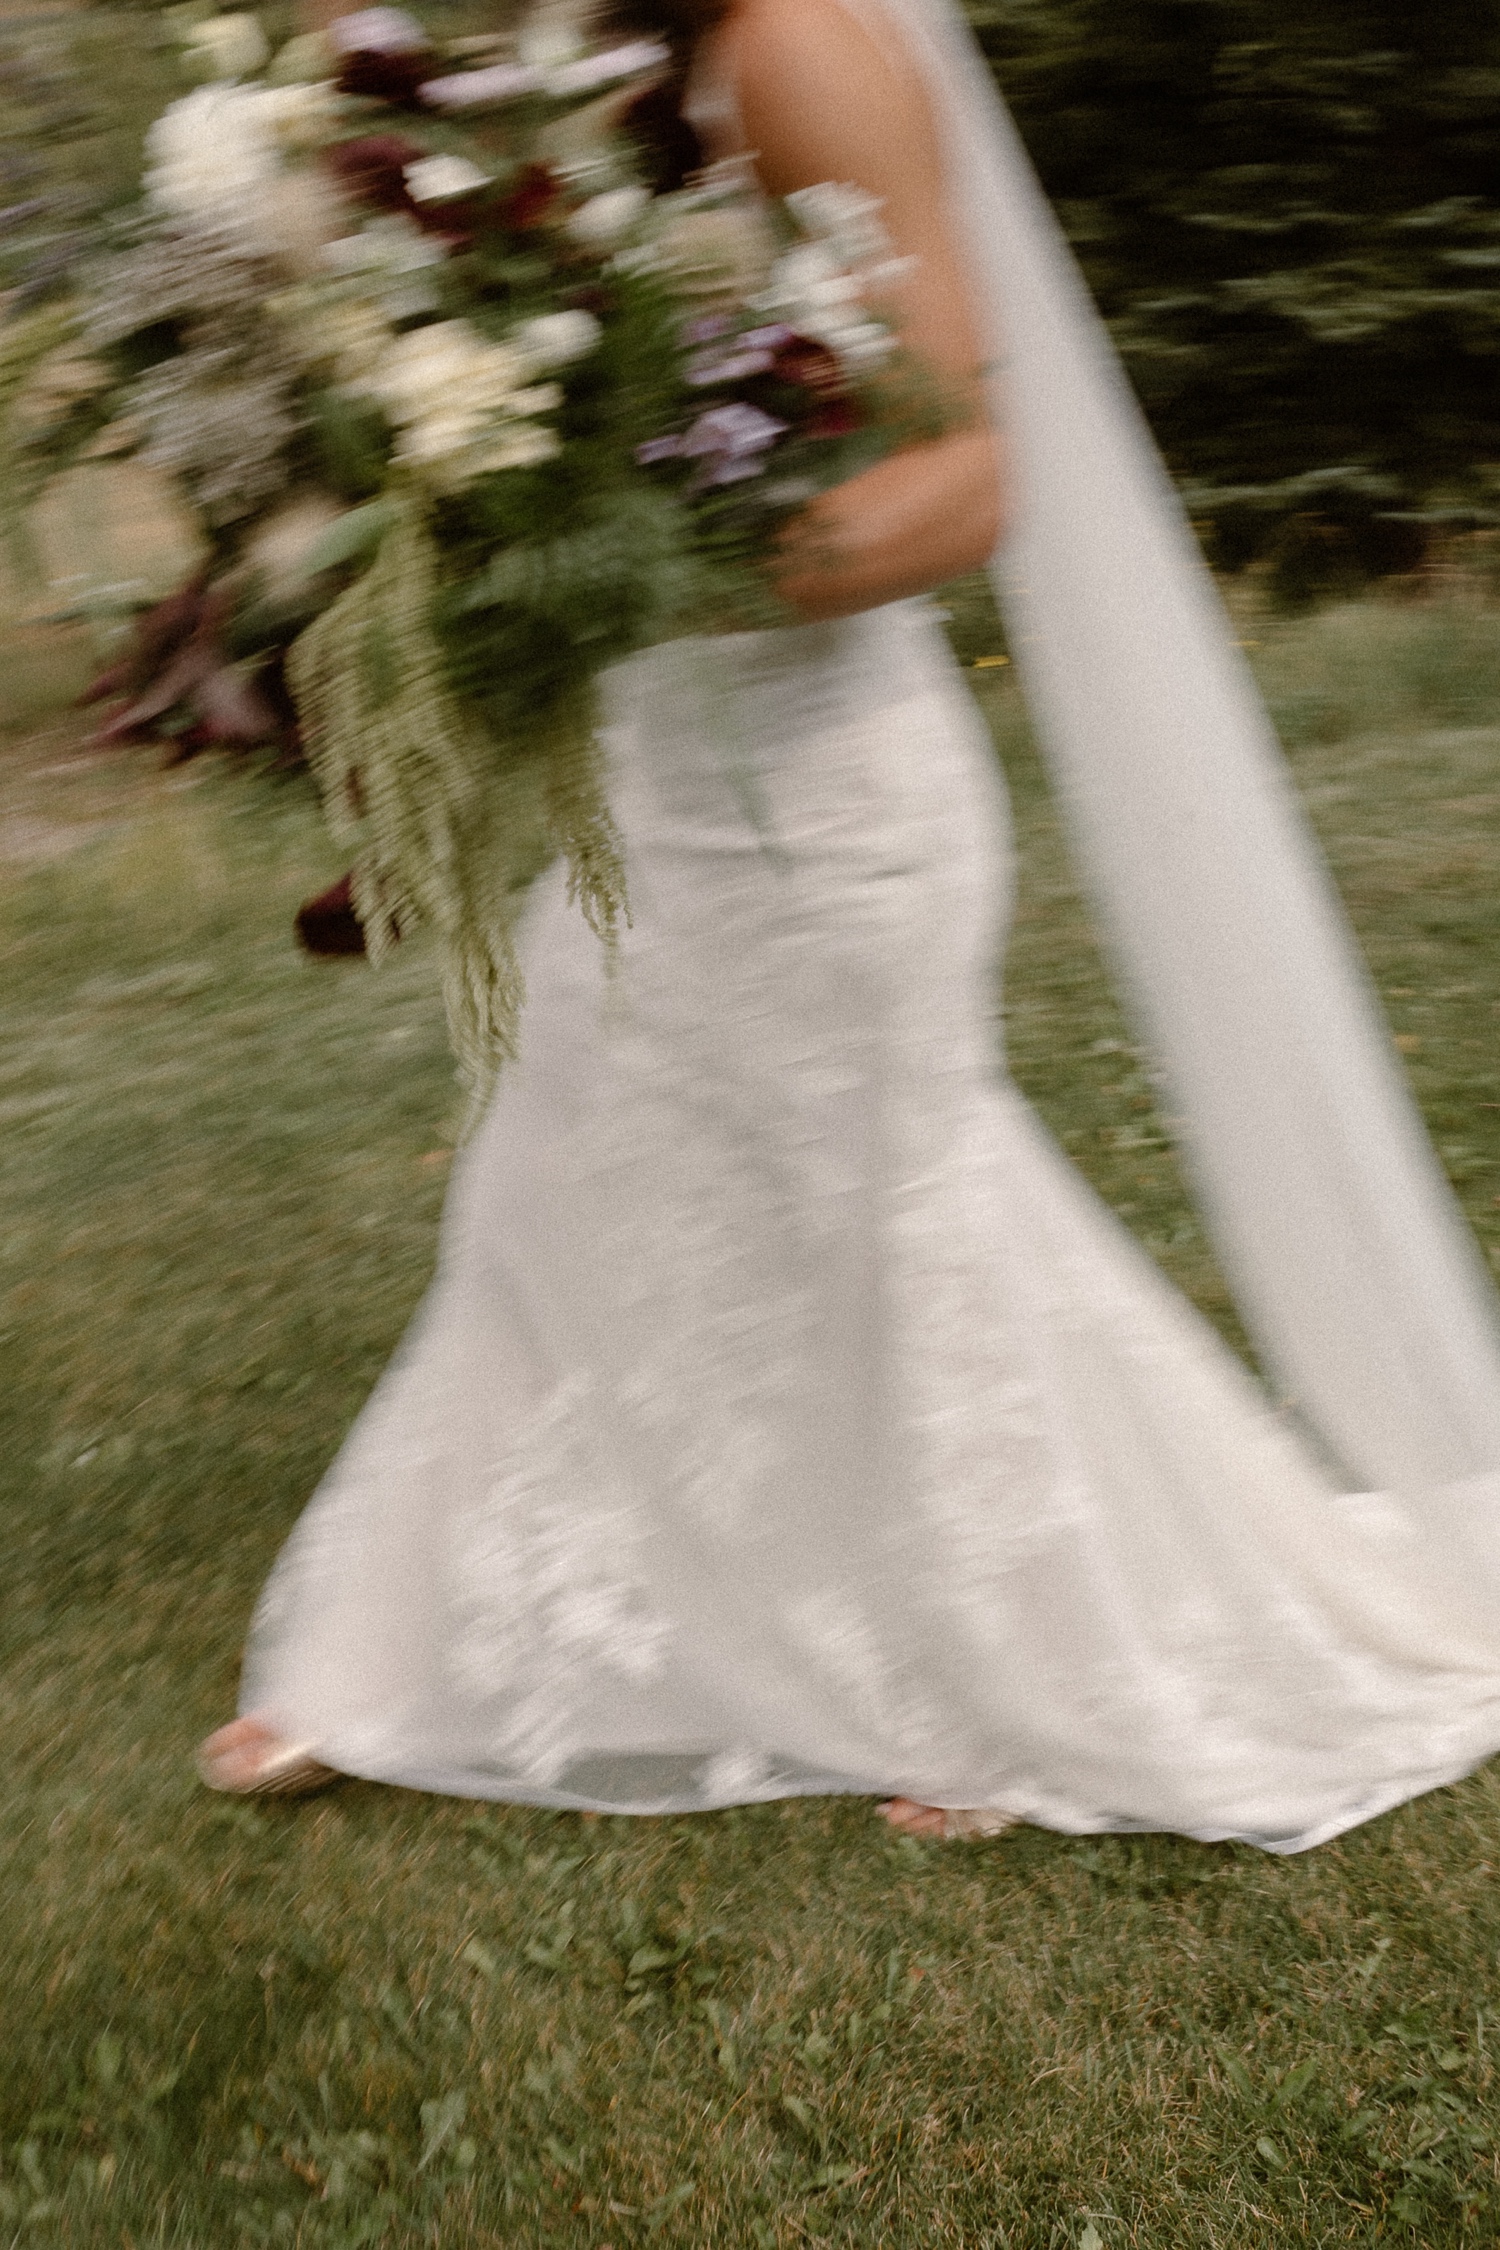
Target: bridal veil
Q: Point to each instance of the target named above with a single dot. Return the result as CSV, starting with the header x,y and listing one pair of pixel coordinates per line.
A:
x,y
1352,1267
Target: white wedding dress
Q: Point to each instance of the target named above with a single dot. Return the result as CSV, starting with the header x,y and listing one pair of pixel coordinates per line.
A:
x,y
787,1415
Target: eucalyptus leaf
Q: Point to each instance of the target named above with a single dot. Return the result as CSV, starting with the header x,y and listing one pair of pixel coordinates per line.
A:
x,y
351,538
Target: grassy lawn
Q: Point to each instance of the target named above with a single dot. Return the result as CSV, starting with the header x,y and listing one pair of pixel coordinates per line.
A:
x,y
379,2018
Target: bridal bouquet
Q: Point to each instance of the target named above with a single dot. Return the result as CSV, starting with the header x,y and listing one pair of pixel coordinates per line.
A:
x,y
467,413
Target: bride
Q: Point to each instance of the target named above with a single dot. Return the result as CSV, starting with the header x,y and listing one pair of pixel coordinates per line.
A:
x,y
786,1415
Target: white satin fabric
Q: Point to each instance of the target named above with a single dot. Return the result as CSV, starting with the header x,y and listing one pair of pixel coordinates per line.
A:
x,y
788,1416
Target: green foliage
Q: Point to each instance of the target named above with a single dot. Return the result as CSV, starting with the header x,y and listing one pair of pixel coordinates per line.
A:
x,y
1290,211
552,573
348,443
448,817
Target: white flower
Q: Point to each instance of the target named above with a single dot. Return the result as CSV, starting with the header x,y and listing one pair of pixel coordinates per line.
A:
x,y
604,219
226,47
461,406
475,89
391,244
847,218
811,291
812,275
379,31
210,155
448,362
297,214
593,71
537,398
348,334
557,339
432,178
714,241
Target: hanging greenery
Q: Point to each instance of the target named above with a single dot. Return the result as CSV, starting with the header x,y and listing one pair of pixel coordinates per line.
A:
x,y
445,816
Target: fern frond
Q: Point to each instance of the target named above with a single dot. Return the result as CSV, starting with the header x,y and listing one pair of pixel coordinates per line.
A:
x,y
446,820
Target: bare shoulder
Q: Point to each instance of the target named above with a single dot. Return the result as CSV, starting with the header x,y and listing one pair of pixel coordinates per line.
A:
x,y
827,91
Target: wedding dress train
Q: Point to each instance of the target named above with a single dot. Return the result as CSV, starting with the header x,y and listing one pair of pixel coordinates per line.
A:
x,y
787,1415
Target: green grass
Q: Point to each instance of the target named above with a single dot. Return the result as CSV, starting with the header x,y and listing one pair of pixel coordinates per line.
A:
x,y
379,2018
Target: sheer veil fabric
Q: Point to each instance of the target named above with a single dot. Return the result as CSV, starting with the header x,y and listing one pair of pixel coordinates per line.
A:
x,y
1352,1268
787,1415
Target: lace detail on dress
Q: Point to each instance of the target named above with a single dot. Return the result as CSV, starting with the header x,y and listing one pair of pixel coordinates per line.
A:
x,y
551,1580
787,1415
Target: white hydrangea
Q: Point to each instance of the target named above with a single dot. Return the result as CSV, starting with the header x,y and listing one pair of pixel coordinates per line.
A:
x,y
714,240
460,405
211,154
823,286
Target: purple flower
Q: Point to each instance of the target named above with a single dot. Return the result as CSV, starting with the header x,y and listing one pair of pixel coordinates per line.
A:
x,y
658,449
727,367
752,352
728,442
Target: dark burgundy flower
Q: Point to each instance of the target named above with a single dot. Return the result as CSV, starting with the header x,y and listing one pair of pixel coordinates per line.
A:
x,y
669,148
155,637
328,924
382,77
812,366
186,742
180,667
529,200
373,169
837,418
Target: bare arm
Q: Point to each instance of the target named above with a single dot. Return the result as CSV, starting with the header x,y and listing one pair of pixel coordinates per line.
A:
x,y
822,100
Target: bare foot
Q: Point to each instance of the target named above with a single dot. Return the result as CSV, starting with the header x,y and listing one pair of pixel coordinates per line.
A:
x,y
941,1825
248,1758
915,1820
237,1752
